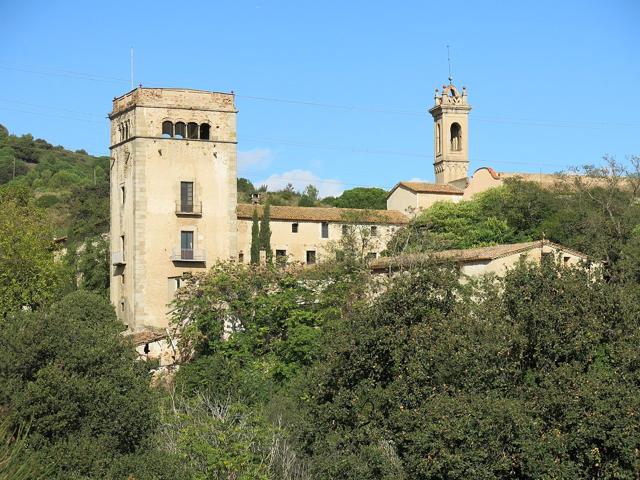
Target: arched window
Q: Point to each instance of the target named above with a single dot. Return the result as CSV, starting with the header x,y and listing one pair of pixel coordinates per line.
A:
x,y
167,129
181,130
438,140
204,131
456,137
192,130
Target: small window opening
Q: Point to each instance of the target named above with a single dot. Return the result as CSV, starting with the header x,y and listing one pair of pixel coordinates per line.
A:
x,y
345,229
438,139
192,130
241,257
180,130
167,129
122,197
456,137
311,257
372,256
146,348
204,131
294,227
281,256
374,231
325,229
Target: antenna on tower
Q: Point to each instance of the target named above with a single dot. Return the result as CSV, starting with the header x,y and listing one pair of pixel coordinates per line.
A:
x,y
131,68
449,62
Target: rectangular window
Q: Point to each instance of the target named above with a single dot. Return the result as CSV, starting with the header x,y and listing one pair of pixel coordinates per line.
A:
x,y
186,197
345,229
281,256
374,231
121,194
372,255
325,229
186,245
241,257
311,257
294,227
122,279
122,246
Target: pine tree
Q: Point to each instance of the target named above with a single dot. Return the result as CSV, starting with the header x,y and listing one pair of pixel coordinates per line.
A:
x,y
265,233
255,239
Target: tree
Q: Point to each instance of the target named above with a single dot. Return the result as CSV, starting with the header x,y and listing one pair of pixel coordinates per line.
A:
x,y
362,197
29,275
528,376
265,233
92,265
69,374
309,197
255,238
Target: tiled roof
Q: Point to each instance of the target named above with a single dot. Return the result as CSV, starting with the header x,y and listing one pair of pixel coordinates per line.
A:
x,y
467,255
424,187
146,336
325,214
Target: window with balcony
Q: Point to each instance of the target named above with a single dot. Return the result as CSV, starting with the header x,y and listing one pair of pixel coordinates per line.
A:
x,y
186,245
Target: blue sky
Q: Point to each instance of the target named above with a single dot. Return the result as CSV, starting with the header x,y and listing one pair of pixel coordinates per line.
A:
x,y
336,93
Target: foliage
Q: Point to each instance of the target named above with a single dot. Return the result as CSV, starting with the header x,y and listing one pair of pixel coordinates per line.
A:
x,y
29,275
17,462
255,238
73,178
92,265
361,197
309,197
223,439
529,376
252,329
265,233
68,372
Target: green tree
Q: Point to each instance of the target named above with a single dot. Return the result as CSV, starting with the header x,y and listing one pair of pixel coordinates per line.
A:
x,y
29,275
255,238
528,376
92,265
362,197
69,373
309,197
265,232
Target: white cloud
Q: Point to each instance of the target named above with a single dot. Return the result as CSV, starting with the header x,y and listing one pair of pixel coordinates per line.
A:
x,y
256,159
300,179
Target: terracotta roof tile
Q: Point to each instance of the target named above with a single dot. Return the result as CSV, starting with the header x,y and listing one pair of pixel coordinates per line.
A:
x,y
424,187
326,214
466,255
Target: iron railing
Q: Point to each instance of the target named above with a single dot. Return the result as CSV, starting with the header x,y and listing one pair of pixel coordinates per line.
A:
x,y
188,208
188,255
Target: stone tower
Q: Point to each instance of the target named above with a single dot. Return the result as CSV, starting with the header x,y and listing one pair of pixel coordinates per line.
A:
x,y
451,136
173,195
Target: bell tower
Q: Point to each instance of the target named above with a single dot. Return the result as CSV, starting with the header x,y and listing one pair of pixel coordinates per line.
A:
x,y
451,136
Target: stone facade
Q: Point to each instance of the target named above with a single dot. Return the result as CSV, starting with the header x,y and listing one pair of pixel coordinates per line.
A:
x,y
173,195
309,234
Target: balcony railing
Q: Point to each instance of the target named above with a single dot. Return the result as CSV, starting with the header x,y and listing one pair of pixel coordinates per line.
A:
x,y
193,209
188,255
117,258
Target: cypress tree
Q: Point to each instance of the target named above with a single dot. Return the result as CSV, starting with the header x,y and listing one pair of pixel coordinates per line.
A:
x,y
255,238
265,233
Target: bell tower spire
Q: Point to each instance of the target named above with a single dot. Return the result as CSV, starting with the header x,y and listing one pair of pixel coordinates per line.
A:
x,y
451,135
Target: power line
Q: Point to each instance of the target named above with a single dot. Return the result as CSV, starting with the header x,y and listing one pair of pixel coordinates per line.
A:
x,y
93,115
67,74
45,114
353,108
